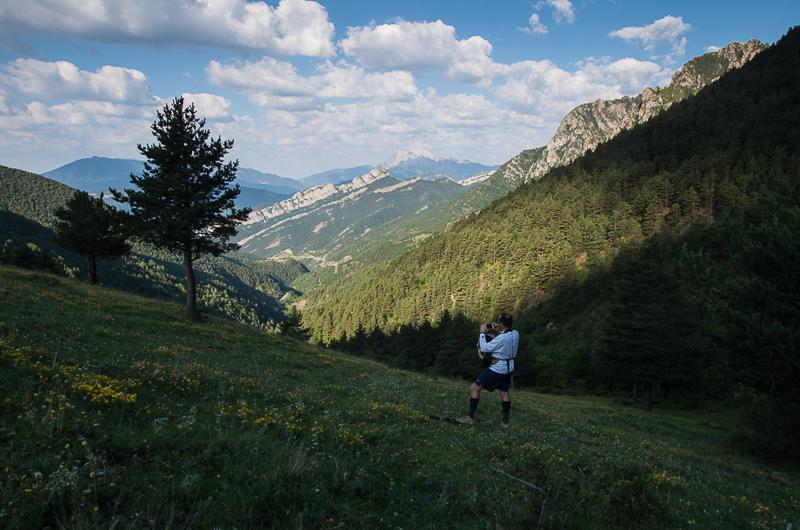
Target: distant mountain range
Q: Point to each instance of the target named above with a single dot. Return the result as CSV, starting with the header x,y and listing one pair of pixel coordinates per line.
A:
x,y
313,223
97,174
404,165
422,163
294,217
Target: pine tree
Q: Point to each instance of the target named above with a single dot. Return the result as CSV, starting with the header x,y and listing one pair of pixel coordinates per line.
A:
x,y
292,326
647,327
756,314
86,225
183,201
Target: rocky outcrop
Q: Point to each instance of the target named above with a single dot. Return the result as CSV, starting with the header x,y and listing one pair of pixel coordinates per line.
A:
x,y
313,195
590,124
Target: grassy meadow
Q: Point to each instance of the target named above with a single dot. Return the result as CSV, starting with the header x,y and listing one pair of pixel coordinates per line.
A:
x,y
116,412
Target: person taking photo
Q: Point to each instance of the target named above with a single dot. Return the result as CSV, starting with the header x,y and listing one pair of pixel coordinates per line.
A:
x,y
503,350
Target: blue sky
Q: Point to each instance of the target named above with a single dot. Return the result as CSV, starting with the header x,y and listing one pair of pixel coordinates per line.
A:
x,y
303,87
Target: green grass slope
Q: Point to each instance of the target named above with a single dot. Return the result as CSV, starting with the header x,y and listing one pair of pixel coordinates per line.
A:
x,y
118,413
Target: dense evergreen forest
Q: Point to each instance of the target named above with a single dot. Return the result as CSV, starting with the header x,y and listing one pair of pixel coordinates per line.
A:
x,y
667,256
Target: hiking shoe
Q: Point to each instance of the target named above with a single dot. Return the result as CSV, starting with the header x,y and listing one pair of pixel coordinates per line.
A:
x,y
504,424
465,419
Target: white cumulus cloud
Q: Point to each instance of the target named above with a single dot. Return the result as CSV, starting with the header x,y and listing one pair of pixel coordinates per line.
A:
x,y
667,30
535,26
562,10
540,88
209,105
63,80
344,80
420,46
293,27
273,83
630,76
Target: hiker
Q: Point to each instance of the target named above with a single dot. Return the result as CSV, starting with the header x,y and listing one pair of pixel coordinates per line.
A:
x,y
503,349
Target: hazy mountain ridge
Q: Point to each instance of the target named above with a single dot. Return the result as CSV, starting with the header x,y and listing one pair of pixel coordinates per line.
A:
x,y
316,194
270,181
97,174
334,176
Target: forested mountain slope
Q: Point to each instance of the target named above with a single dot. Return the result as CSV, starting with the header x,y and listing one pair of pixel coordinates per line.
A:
x,y
668,255
241,289
583,129
513,253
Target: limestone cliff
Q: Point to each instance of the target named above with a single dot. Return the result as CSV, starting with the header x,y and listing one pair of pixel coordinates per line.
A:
x,y
313,195
590,124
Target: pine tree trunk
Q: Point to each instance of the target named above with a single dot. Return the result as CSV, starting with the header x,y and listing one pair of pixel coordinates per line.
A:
x,y
191,288
635,392
91,268
647,396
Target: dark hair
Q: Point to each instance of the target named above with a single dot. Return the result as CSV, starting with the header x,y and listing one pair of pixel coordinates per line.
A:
x,y
506,319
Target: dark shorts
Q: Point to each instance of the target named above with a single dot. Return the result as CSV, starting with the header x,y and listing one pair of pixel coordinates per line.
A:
x,y
490,381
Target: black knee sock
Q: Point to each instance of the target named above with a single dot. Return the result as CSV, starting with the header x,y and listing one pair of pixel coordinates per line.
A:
x,y
506,410
473,406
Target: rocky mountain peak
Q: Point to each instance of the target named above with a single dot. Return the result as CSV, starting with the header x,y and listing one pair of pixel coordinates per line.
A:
x,y
707,68
314,195
405,156
591,124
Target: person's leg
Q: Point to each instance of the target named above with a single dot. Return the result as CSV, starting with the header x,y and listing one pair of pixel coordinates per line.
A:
x,y
506,401
474,397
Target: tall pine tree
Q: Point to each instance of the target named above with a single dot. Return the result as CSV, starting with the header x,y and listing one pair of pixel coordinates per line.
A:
x,y
183,201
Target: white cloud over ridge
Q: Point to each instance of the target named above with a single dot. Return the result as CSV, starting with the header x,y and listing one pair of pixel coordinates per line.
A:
x,y
294,27
628,75
665,30
541,88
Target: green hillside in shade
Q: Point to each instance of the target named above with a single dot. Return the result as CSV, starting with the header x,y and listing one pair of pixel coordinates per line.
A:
x,y
242,289
118,413
667,256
